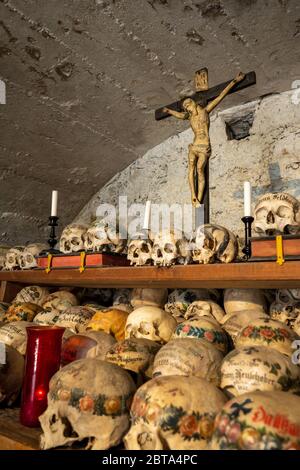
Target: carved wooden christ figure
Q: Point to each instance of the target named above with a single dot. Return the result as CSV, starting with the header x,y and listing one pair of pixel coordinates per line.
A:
x,y
200,149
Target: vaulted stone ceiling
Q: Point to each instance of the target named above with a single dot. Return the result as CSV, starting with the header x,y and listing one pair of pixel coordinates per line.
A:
x,y
84,77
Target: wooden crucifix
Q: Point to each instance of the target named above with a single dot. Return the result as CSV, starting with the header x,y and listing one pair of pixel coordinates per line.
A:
x,y
196,109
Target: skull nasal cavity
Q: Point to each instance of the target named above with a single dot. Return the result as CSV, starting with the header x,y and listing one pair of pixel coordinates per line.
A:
x,y
270,218
159,253
68,431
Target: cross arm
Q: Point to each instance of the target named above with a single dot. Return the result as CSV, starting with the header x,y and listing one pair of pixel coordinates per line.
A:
x,y
208,95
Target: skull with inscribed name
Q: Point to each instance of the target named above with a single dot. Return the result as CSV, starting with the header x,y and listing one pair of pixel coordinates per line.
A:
x,y
258,368
89,400
173,413
150,323
32,294
258,421
185,356
135,354
277,213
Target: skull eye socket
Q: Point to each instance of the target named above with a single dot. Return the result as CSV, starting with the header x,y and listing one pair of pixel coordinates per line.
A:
x,y
284,298
284,211
169,248
145,248
261,214
75,241
29,258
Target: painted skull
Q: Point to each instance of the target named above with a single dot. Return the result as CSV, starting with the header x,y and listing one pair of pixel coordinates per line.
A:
x,y
258,421
32,294
277,213
88,399
173,413
111,321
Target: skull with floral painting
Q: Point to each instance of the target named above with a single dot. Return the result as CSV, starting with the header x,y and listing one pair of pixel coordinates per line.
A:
x,y
173,413
258,421
89,400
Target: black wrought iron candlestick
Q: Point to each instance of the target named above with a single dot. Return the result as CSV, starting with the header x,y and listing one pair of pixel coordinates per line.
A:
x,y
52,240
248,220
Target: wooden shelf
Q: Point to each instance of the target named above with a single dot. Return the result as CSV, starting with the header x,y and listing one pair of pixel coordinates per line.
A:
x,y
14,436
241,275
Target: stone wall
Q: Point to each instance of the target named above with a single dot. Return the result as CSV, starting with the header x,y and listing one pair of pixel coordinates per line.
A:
x,y
269,157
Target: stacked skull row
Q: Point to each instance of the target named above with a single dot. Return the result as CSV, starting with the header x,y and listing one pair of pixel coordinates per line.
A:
x,y
184,369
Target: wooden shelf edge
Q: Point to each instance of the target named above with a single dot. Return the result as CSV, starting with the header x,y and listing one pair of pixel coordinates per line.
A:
x,y
242,275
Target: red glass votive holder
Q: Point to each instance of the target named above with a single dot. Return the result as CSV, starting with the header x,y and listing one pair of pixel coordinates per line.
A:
x,y
42,361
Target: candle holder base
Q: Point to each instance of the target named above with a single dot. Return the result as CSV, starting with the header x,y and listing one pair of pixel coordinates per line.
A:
x,y
247,220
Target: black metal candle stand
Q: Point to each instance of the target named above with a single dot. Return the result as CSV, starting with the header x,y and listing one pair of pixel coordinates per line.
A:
x,y
52,240
247,220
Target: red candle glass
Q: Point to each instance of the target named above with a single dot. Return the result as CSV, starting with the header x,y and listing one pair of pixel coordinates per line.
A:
x,y
42,361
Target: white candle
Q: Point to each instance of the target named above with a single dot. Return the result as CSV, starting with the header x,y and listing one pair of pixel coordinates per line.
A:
x,y
54,204
147,216
247,199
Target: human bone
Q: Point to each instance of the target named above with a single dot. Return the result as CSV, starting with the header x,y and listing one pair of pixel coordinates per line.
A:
x,y
88,399
19,311
204,328
258,368
11,374
267,332
111,321
58,302
73,238
27,259
286,306
101,237
86,344
180,299
214,243
258,421
14,334
237,300
122,300
185,356
150,323
33,294
152,297
205,308
234,323
75,318
12,258
170,247
173,413
139,250
135,354
276,213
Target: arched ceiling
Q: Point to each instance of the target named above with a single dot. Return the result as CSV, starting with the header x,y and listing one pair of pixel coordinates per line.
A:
x,y
84,77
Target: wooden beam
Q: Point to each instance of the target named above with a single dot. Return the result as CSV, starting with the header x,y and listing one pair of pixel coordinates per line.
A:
x,y
208,95
241,275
